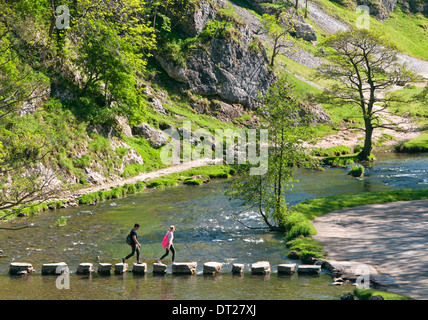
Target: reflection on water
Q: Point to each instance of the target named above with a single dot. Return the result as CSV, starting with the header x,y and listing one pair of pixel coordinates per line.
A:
x,y
205,231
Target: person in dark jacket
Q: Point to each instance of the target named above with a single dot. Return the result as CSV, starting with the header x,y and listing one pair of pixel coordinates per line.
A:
x,y
135,245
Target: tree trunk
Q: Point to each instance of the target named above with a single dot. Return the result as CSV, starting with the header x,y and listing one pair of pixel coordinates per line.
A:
x,y
367,149
306,10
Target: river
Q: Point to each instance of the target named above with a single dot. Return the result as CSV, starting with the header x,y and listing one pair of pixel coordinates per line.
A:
x,y
205,231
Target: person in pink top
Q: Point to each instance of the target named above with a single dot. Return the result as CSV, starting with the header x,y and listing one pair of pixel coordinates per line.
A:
x,y
168,245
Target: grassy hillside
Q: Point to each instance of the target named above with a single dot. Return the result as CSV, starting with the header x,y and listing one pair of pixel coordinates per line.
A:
x,y
407,31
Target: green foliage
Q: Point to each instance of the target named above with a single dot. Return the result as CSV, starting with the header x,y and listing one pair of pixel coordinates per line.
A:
x,y
306,247
341,161
162,183
366,294
217,29
418,144
333,151
315,207
356,171
193,182
61,222
286,130
361,73
296,224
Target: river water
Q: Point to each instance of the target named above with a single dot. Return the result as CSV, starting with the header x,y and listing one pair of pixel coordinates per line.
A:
x,y
205,231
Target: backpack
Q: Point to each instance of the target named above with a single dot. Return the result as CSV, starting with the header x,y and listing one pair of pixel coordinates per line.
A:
x,y
165,240
128,240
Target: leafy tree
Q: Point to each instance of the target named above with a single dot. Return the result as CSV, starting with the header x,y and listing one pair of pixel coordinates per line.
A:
x,y
364,64
274,28
287,130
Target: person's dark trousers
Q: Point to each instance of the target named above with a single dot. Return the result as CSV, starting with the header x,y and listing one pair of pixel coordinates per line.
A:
x,y
135,248
167,252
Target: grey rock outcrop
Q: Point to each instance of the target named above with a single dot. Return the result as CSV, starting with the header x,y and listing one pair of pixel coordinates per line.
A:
x,y
227,68
203,11
380,8
297,25
155,137
316,114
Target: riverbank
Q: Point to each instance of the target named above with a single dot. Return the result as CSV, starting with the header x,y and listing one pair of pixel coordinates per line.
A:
x,y
391,237
304,245
189,173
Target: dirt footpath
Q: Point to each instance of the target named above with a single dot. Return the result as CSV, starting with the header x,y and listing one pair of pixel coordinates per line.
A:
x,y
392,237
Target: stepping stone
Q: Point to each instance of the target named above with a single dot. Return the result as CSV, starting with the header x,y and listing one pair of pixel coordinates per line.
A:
x,y
184,267
20,268
85,268
212,267
286,268
309,269
104,268
238,268
159,268
120,268
140,268
260,267
54,268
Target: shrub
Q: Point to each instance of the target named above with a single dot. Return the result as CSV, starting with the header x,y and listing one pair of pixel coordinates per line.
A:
x,y
193,182
61,222
161,183
82,162
333,151
356,171
296,224
306,248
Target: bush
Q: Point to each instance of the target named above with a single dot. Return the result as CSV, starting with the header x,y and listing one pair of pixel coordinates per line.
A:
x,y
193,182
161,183
306,248
356,171
365,294
296,224
333,151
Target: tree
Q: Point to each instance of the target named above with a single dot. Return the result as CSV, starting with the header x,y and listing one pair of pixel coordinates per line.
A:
x,y
287,130
274,28
364,65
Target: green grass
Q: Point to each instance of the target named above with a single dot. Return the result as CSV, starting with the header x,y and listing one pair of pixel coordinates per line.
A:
x,y
306,248
418,144
365,294
402,30
412,108
356,171
61,222
315,207
333,151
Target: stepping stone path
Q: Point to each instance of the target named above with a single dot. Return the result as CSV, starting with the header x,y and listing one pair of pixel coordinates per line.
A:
x,y
120,268
309,269
139,268
184,267
212,267
286,268
54,268
159,268
104,268
260,267
85,268
20,268
238,268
